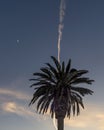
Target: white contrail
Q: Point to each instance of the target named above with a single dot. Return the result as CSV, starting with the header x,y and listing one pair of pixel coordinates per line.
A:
x,y
54,122
61,25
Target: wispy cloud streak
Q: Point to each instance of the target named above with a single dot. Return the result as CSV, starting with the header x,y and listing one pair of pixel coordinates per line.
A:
x,y
12,107
61,25
14,102
16,94
93,117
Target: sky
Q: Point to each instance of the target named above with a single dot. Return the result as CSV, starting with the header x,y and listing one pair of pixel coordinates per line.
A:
x,y
28,37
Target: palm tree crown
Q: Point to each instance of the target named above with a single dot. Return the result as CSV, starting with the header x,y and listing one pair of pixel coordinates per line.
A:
x,y
56,88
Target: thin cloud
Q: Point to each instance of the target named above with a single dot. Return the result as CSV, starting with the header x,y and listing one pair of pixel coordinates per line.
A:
x,y
16,94
90,117
10,103
12,107
22,111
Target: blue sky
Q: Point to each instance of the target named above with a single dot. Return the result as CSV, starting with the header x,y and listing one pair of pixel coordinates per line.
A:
x,y
34,24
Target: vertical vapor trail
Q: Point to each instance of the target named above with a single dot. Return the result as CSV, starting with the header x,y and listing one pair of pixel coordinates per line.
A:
x,y
61,25
54,122
60,28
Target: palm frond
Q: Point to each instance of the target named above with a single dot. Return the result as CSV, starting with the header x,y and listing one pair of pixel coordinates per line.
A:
x,y
81,80
63,67
69,110
52,109
40,101
43,90
41,75
75,101
56,63
81,72
53,71
68,66
82,91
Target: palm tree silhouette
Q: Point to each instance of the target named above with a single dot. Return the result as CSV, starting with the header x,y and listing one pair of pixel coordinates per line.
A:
x,y
57,90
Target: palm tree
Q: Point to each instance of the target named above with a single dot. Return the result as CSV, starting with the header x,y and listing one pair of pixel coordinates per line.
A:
x,y
56,89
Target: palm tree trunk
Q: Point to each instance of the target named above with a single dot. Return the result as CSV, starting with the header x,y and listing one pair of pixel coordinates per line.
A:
x,y
60,123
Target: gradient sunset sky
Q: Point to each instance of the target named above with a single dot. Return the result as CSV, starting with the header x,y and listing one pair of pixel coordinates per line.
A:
x,y
28,37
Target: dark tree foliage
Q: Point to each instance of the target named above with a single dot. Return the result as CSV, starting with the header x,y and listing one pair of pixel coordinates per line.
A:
x,y
56,88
